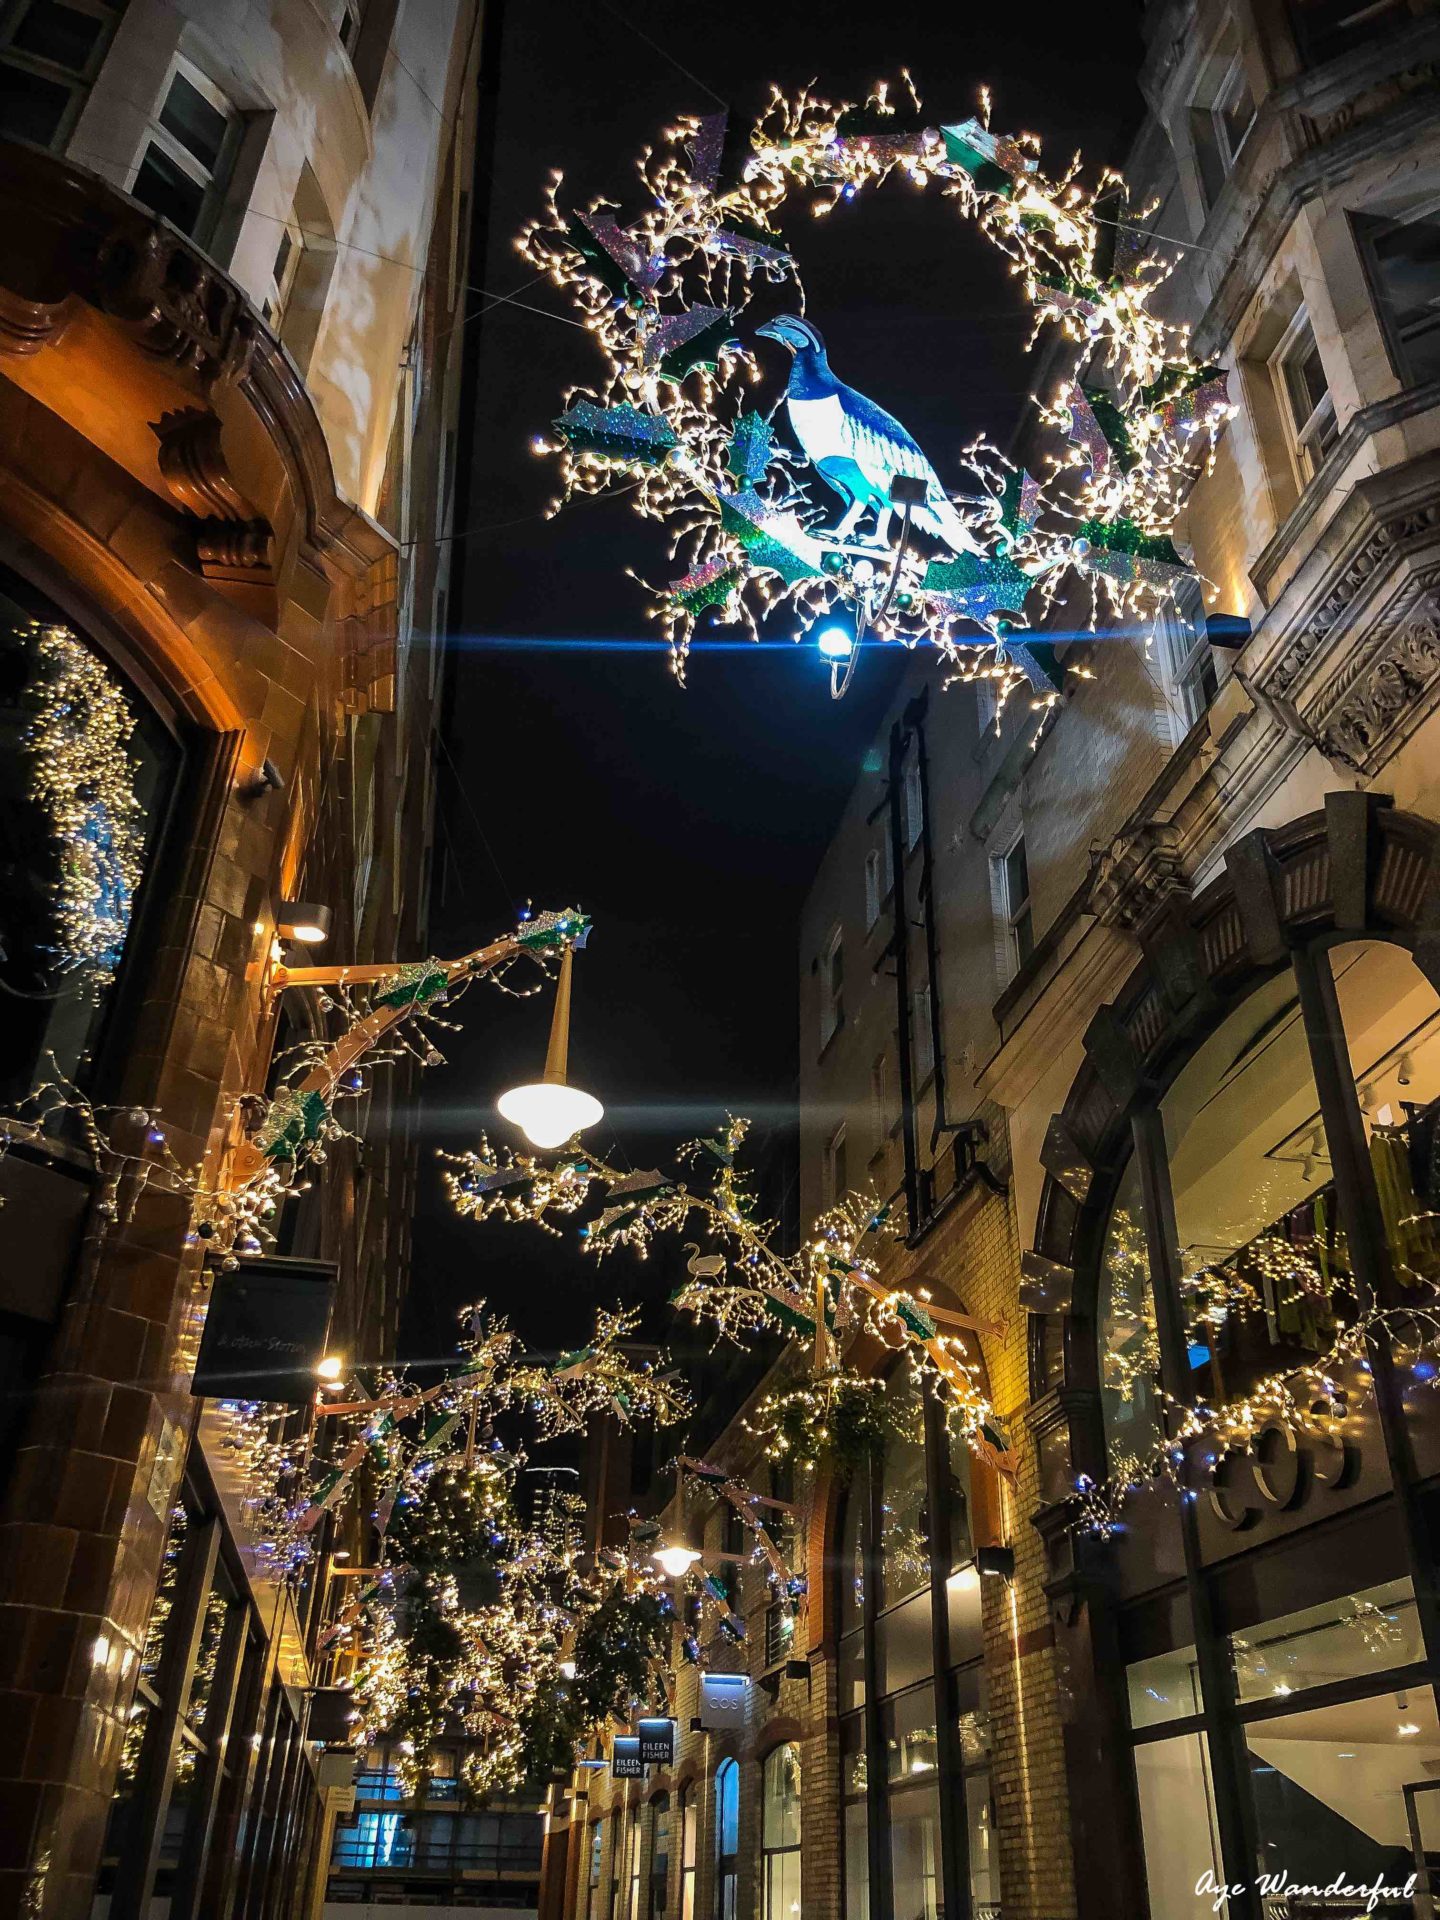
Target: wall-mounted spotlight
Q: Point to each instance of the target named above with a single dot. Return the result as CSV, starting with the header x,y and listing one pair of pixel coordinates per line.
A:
x,y
997,1560
303,920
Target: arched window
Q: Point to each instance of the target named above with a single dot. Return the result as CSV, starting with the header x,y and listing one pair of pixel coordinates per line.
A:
x,y
592,1878
689,1851
780,1834
86,773
634,1850
727,1838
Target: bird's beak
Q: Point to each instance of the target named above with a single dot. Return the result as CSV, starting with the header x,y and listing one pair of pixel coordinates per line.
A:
x,y
772,330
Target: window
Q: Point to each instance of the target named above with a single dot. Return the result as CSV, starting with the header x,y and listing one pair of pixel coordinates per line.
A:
x,y
912,803
880,1096
1403,258
1328,29
49,54
592,1879
832,989
727,1838
76,847
305,255
632,1905
835,1180
874,888
1186,657
283,272
189,149
922,1034
780,1834
1304,391
689,1852
1012,888
352,16
659,1854
1221,123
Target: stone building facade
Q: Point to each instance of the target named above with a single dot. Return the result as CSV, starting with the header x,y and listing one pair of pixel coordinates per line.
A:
x,y
230,272
1122,1016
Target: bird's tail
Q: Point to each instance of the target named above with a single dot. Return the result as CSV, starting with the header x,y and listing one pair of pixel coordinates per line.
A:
x,y
939,518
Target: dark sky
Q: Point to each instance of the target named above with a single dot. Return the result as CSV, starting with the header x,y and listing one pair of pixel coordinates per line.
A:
x,y
688,823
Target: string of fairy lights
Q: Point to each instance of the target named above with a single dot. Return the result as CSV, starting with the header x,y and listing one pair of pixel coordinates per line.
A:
x,y
1131,421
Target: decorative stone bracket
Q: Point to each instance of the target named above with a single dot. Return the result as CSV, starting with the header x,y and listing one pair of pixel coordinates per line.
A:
x,y
232,540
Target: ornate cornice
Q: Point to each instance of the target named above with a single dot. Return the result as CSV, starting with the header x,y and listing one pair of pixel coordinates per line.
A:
x,y
1137,875
74,238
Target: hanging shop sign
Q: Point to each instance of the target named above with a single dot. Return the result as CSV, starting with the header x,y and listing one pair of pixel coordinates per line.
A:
x,y
657,1743
266,1326
625,1760
722,1701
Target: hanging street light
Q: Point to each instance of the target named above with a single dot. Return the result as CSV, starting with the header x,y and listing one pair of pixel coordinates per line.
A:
x,y
550,1111
675,1561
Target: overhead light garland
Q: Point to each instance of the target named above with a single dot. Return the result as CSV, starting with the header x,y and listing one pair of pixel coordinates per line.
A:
x,y
821,1295
1133,418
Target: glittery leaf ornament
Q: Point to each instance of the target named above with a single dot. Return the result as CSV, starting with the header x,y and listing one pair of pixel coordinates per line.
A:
x,y
684,341
618,433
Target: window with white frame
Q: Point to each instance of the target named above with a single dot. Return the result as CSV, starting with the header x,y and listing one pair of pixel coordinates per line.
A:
x,y
49,54
1011,871
1221,120
1403,259
188,152
912,802
874,887
832,988
1185,656
349,23
284,271
1304,394
835,1168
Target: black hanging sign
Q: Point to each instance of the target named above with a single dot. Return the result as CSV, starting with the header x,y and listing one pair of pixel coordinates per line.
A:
x,y
657,1742
625,1761
266,1326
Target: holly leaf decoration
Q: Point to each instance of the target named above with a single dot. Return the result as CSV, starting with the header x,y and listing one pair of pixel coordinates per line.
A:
x,y
684,341
751,447
618,433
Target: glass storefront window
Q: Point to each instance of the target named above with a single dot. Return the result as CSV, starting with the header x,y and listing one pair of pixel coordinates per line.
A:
x,y
86,771
905,1524
1260,1243
1362,1633
780,1833
1336,1790
1129,1345
915,1849
1164,1687
727,1838
1177,1817
689,1853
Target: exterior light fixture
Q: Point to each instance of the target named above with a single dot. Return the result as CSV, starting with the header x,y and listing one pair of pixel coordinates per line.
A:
x,y
303,920
329,1369
549,1111
675,1561
996,1560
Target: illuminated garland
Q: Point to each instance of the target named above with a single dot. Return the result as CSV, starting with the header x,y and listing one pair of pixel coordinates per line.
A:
x,y
822,1295
83,779
1134,417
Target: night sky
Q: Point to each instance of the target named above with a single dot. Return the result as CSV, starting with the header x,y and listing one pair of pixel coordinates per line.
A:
x,y
688,823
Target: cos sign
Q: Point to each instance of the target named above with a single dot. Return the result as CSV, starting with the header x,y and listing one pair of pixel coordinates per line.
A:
x,y
1275,1473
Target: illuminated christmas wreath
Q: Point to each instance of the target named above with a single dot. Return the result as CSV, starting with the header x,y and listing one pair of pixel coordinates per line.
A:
x,y
1134,418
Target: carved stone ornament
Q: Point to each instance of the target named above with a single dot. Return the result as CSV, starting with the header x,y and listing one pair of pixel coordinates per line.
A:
x,y
175,304
231,537
1137,875
1394,690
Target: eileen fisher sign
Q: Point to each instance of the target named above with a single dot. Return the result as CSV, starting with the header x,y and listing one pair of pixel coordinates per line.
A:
x,y
1279,1886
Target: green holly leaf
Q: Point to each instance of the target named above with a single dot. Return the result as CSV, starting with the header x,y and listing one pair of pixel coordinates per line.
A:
x,y
622,433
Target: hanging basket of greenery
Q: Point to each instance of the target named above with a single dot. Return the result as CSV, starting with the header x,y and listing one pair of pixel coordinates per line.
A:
x,y
836,1419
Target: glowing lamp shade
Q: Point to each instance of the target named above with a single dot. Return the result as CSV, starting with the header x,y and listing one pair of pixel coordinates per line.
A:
x,y
675,1561
329,1369
549,1113
303,920
835,643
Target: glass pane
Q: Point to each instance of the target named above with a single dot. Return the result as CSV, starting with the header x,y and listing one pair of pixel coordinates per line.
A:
x,y
857,1862
1305,376
1363,1633
962,1592
1260,1244
168,190
1129,1345
908,1728
984,1848
780,1805
782,1886
905,1535
59,34
1164,1687
84,772
1177,1815
903,1649
914,1851
31,108
727,1808
1017,879
1407,260
1331,1788
212,1632
196,124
